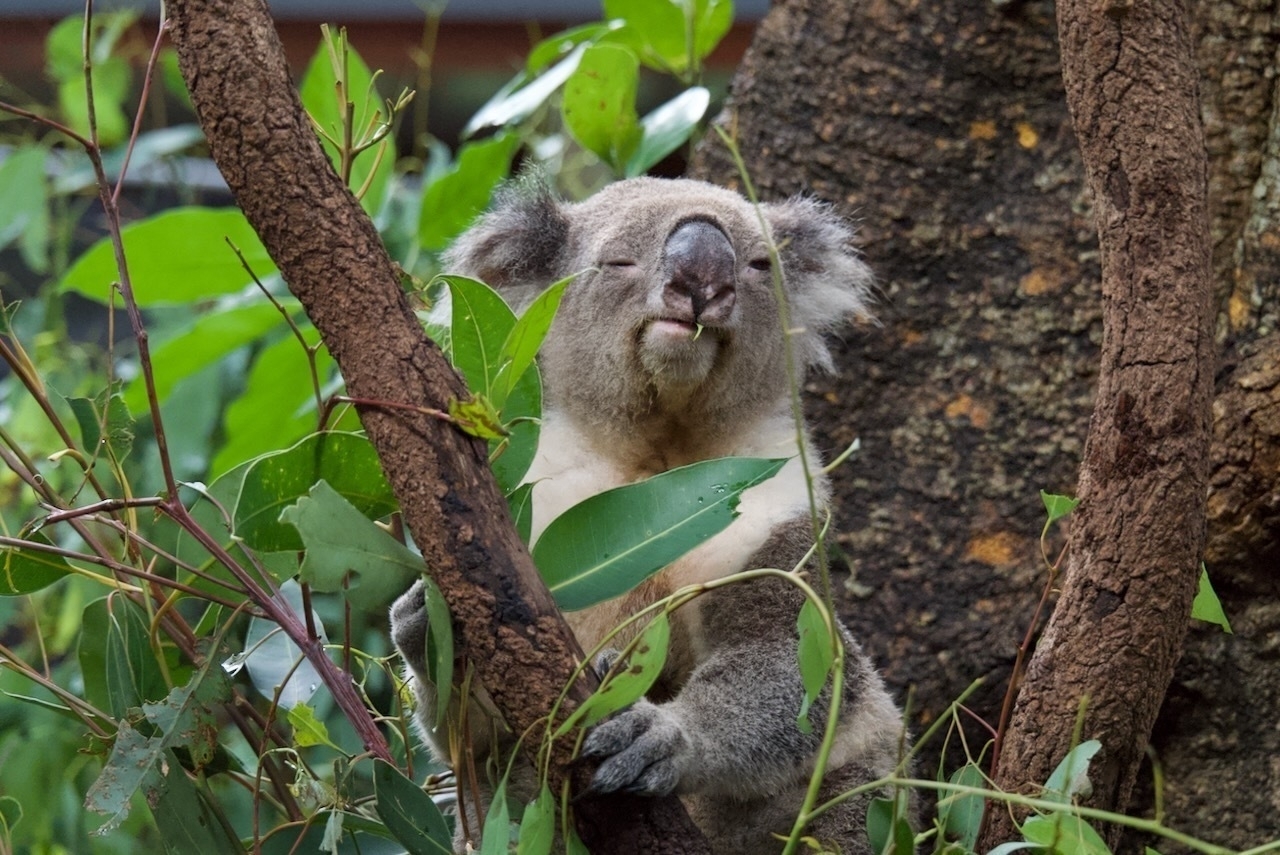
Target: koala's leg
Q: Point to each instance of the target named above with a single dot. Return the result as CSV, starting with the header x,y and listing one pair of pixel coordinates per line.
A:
x,y
730,734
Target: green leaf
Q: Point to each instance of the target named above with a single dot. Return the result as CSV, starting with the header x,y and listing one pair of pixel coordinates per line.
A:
x,y
960,814
176,257
628,685
1071,777
1206,606
480,325
522,96
209,337
606,545
538,825
816,657
1064,834
667,128
439,656
23,571
10,815
307,729
480,328
888,829
345,460
184,718
105,424
348,553
454,199
522,342
673,35
278,404
599,103
477,417
497,824
319,94
1057,506
24,206
185,820
409,813
133,675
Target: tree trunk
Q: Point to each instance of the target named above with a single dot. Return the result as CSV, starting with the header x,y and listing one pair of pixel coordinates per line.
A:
x,y
1107,655
943,128
330,255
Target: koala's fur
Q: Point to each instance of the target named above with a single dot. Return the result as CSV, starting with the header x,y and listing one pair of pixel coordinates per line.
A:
x,y
632,390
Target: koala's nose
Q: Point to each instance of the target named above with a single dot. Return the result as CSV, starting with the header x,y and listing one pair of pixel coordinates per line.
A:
x,y
700,266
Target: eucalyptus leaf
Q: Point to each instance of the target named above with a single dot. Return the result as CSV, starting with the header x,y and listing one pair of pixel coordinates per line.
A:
x,y
599,101
1064,834
307,729
409,813
175,257
277,667
207,339
960,814
133,674
522,342
348,553
1057,506
452,201
497,823
518,100
606,545
815,654
26,570
667,128
1206,606
1071,777
346,461
538,825
629,683
24,205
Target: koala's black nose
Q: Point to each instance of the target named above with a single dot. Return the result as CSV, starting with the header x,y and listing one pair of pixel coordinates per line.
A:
x,y
700,265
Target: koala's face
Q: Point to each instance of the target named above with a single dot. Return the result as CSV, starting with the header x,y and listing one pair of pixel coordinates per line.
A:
x,y
676,304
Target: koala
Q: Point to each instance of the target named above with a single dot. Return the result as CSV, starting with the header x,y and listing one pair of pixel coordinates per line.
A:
x,y
669,350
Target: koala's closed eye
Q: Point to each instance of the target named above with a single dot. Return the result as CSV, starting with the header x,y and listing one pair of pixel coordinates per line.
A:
x,y
764,264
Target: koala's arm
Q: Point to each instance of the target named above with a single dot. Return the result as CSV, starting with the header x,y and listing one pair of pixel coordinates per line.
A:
x,y
731,729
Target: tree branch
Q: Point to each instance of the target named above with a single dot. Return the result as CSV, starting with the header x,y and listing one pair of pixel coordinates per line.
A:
x,y
1138,537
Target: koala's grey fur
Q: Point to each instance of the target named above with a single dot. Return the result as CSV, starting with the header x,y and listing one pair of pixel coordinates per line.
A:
x,y
632,390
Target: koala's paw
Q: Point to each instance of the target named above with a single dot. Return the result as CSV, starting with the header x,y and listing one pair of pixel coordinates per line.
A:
x,y
641,750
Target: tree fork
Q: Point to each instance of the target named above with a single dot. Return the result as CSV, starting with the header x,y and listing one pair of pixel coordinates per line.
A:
x,y
1138,536
332,258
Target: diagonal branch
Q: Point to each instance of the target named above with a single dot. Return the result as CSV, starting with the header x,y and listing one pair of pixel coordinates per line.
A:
x,y
331,256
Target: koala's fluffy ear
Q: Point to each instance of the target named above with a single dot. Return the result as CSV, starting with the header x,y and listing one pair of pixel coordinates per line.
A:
x,y
517,243
827,283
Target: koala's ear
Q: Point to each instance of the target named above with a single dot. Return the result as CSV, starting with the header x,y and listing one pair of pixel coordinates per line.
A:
x,y
827,284
517,243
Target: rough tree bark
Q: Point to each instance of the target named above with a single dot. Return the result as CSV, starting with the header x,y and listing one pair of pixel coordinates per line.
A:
x,y
943,128
330,255
1138,536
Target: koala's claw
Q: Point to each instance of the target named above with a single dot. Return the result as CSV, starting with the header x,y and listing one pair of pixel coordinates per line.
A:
x,y
641,749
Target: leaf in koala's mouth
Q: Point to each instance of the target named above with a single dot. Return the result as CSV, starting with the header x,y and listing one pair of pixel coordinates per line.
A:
x,y
697,331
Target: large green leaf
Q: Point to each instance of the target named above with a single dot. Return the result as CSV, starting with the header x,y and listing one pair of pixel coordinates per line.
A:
x,y
25,570
523,341
516,101
409,813
346,461
816,658
347,553
599,103
184,718
667,128
1071,777
210,337
960,814
673,35
24,206
454,199
481,329
175,257
538,824
318,91
105,424
278,404
133,674
606,545
1063,833
186,821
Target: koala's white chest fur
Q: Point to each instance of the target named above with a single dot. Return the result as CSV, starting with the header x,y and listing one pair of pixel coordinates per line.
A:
x,y
569,468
